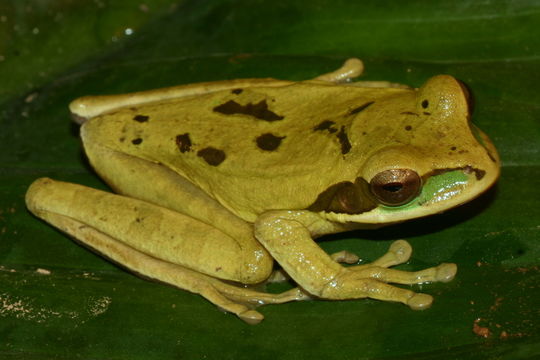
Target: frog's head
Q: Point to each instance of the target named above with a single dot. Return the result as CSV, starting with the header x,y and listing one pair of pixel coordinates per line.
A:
x,y
430,159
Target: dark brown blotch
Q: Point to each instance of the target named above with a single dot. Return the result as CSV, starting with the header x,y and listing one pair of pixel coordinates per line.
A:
x,y
269,142
136,141
237,91
259,110
344,141
360,108
478,173
345,197
408,128
326,125
141,118
212,156
183,142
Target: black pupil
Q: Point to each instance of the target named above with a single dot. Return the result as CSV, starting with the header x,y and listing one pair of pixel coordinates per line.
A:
x,y
393,187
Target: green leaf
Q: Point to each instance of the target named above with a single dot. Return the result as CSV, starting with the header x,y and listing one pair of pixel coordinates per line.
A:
x,y
60,301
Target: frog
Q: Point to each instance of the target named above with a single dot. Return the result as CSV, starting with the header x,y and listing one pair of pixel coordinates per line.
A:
x,y
221,186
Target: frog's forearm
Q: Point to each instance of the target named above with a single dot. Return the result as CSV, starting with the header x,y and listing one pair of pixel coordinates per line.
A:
x,y
287,235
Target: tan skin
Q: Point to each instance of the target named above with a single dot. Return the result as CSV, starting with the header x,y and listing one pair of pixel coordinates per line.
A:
x,y
216,181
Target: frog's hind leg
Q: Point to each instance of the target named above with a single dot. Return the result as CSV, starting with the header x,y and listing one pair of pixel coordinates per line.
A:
x,y
108,231
87,107
351,69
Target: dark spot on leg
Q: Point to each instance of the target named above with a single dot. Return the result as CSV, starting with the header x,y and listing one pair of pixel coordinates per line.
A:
x,y
425,104
427,113
122,139
408,127
453,148
345,197
141,118
183,142
212,156
326,125
360,108
237,91
136,141
259,110
269,142
344,141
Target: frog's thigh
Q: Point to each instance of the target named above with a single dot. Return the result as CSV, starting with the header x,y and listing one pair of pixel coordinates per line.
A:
x,y
130,175
152,230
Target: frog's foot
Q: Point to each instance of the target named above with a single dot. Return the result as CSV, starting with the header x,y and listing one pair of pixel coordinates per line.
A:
x,y
370,280
353,68
242,301
399,252
343,257
350,69
354,285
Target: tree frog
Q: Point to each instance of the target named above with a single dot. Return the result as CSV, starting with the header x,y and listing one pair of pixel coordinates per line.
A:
x,y
217,181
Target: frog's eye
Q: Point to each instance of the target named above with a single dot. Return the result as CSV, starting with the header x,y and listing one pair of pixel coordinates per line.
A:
x,y
395,186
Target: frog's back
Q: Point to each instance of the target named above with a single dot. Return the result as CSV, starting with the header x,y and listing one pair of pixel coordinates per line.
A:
x,y
253,149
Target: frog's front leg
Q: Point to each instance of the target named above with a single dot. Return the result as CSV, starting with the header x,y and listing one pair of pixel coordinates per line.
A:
x,y
287,235
160,244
